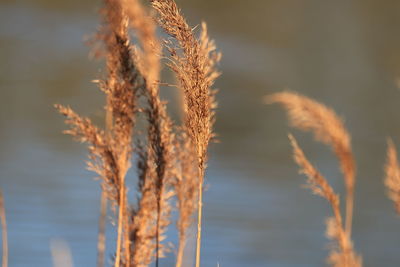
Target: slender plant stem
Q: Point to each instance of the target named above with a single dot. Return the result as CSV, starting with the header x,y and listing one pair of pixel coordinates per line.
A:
x,y
120,220
199,214
158,230
349,212
181,249
101,241
4,230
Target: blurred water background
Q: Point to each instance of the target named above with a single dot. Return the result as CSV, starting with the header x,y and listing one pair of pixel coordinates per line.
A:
x,y
343,53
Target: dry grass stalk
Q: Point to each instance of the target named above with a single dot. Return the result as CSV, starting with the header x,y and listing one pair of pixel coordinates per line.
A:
x,y
193,61
104,160
392,179
186,187
4,230
309,115
122,83
342,253
159,137
111,153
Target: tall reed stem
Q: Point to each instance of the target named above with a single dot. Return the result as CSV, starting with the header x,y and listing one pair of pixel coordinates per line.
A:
x,y
199,214
4,230
120,220
158,231
181,249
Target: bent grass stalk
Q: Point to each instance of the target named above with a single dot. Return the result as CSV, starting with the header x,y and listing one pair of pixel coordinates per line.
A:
x,y
309,115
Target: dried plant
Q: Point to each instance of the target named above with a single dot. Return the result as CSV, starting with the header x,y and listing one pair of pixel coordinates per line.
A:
x,y
3,231
309,115
166,164
104,160
111,152
160,136
120,87
392,179
342,252
193,60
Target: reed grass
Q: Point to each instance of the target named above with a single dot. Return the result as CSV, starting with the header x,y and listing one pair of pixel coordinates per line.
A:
x,y
171,159
193,61
309,115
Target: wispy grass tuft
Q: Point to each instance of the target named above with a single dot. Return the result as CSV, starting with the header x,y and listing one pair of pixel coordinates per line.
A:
x,y
309,115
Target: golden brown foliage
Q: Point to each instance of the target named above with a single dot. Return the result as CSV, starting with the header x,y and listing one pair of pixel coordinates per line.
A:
x,y
309,115
392,179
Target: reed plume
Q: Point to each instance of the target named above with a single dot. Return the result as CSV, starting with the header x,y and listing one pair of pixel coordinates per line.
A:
x,y
193,61
392,179
309,115
342,252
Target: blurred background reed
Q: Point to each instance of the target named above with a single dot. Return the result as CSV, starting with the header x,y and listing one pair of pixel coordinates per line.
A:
x,y
345,54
